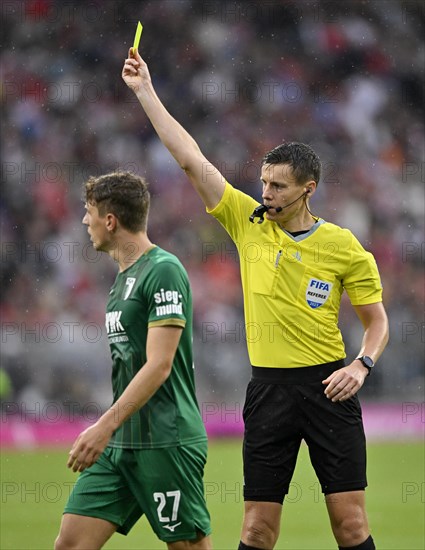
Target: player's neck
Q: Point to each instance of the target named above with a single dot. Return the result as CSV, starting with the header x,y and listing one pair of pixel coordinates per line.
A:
x,y
128,248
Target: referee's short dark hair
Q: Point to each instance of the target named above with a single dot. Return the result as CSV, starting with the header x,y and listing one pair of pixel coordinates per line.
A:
x,y
305,163
123,194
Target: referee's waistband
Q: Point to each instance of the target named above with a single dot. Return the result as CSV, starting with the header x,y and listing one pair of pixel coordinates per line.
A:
x,y
296,375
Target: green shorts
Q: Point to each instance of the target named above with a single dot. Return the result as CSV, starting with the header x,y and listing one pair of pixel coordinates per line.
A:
x,y
164,484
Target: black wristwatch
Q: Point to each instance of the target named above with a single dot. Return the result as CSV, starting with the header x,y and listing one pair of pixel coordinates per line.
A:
x,y
367,362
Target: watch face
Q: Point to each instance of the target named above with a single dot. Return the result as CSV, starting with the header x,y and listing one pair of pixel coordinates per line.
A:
x,y
367,361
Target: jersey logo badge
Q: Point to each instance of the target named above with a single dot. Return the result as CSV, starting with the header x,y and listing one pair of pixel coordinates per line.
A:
x,y
317,292
129,283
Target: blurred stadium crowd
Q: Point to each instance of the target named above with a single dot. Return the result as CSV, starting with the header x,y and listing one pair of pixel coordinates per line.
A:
x,y
345,77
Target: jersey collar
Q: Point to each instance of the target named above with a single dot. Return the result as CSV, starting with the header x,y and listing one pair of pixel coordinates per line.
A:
x,y
305,235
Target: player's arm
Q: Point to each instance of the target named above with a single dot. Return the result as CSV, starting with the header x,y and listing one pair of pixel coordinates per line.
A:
x,y
344,383
205,178
161,348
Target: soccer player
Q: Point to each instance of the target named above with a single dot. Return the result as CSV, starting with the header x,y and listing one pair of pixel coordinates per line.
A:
x,y
301,387
146,454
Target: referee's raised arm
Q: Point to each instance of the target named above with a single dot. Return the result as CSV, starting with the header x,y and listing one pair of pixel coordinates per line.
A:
x,y
205,178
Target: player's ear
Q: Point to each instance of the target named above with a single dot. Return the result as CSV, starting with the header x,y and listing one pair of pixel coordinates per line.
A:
x,y
111,222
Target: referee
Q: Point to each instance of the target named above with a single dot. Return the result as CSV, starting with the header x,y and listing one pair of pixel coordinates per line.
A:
x,y
301,387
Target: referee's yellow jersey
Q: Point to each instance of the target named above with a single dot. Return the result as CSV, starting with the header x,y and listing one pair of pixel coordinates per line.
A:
x,y
292,286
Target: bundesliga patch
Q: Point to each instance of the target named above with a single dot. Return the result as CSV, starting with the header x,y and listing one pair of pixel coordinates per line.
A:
x,y
317,292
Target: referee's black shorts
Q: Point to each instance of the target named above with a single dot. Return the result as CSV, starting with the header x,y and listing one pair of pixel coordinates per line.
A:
x,y
284,406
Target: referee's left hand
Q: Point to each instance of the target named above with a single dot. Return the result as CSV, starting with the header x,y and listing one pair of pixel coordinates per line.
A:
x,y
344,383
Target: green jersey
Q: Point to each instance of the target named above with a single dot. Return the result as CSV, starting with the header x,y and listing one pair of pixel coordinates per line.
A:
x,y
153,292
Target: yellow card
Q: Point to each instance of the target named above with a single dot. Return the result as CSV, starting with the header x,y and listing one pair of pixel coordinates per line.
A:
x,y
137,37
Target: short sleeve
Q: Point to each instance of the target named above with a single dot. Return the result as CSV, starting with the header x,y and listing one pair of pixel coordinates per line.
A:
x,y
168,295
233,211
362,281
